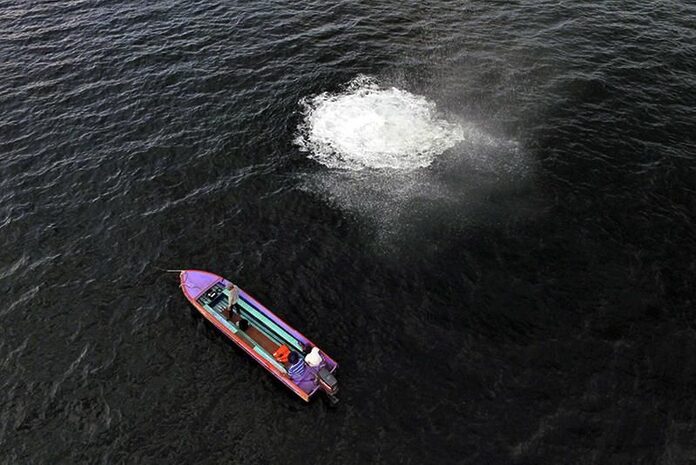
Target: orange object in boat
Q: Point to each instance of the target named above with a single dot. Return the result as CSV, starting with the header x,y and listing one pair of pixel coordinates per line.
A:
x,y
282,354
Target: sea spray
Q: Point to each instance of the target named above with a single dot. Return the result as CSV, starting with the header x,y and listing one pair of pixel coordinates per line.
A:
x,y
368,126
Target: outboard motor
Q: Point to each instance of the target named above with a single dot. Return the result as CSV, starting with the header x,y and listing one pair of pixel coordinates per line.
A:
x,y
327,381
329,384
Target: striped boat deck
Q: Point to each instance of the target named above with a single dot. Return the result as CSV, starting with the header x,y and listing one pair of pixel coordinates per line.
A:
x,y
268,326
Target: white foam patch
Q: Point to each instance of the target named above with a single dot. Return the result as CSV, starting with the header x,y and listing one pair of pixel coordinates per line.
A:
x,y
379,139
367,126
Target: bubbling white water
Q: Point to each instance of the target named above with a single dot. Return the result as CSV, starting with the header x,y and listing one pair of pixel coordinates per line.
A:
x,y
379,141
367,126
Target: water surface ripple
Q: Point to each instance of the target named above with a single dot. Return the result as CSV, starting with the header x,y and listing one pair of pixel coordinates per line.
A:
x,y
523,296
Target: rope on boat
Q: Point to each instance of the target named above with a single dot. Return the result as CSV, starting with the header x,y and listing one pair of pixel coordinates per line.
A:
x,y
168,271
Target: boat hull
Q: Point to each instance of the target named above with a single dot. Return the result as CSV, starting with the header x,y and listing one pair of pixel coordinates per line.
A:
x,y
195,283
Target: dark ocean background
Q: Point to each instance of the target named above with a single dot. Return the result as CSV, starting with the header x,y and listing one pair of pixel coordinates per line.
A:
x,y
526,298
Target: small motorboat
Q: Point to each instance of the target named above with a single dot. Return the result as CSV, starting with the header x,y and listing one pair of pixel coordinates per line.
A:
x,y
282,350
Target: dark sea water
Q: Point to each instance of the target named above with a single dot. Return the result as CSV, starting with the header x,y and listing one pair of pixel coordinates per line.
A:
x,y
523,296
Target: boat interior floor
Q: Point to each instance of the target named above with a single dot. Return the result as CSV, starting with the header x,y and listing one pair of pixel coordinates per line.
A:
x,y
257,336
262,340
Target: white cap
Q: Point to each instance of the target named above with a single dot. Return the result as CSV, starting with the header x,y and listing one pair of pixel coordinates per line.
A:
x,y
313,358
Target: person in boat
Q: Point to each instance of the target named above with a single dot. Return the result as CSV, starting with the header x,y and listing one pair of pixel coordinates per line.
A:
x,y
234,297
297,366
314,358
232,310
